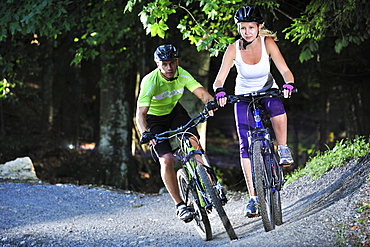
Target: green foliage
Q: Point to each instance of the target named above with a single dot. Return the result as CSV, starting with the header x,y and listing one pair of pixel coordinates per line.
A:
x,y
347,21
342,152
341,239
92,23
47,17
204,23
209,25
5,88
363,208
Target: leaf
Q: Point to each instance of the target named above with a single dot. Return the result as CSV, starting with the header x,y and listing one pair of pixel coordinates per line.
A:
x,y
305,55
158,29
338,46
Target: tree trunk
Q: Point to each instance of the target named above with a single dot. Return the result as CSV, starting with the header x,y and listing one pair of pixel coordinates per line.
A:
x,y
47,96
197,64
116,109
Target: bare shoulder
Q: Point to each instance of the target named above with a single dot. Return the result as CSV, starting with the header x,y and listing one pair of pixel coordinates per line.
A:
x,y
230,51
271,45
232,47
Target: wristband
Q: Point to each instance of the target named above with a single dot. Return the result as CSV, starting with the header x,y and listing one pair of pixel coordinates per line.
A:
x,y
220,89
289,86
220,93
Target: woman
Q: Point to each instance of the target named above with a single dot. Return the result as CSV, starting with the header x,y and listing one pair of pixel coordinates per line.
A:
x,y
251,55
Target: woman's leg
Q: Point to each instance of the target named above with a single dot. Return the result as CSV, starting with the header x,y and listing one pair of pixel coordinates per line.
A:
x,y
279,124
247,171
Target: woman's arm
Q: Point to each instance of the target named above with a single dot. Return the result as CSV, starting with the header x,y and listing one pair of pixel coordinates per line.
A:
x,y
227,62
274,51
223,72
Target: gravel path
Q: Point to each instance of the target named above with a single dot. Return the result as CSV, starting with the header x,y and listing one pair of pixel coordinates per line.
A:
x,y
315,212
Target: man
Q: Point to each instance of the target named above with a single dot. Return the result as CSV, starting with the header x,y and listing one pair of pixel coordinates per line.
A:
x,y
158,110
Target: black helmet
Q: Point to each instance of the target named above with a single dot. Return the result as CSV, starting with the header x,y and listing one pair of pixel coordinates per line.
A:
x,y
248,14
165,52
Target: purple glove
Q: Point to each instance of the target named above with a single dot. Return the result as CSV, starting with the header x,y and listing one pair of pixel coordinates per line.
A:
x,y
220,93
289,86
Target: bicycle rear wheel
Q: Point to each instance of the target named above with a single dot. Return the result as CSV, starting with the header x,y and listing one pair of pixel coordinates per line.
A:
x,y
189,195
216,201
263,178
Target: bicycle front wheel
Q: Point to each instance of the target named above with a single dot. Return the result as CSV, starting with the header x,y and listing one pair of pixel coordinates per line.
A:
x,y
211,191
263,179
278,215
188,194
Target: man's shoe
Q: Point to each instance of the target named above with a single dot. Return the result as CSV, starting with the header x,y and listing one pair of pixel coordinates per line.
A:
x,y
183,213
251,209
285,154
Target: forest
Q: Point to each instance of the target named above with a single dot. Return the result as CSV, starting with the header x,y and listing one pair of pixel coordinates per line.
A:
x,y
70,75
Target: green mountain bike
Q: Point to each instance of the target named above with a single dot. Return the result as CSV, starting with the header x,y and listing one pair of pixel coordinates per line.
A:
x,y
199,187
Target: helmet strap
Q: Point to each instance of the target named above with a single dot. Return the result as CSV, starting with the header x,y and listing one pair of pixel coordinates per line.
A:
x,y
246,43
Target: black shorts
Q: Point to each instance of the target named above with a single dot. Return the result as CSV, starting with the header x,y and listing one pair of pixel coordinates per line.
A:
x,y
159,124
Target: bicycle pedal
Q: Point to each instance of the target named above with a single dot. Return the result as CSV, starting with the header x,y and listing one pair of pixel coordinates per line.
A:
x,y
223,201
286,165
208,209
189,219
253,215
191,209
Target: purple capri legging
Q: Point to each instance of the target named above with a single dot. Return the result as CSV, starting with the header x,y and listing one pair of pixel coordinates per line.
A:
x,y
244,119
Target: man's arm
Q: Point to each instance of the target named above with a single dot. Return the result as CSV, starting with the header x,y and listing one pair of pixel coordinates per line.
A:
x,y
204,96
141,118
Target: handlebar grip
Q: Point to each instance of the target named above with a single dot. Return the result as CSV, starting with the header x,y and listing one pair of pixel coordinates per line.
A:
x,y
141,142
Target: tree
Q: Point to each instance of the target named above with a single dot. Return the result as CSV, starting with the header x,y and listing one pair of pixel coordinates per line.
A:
x,y
71,32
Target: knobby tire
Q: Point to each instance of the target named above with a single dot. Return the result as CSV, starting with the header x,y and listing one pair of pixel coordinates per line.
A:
x,y
211,191
200,221
277,209
278,214
262,178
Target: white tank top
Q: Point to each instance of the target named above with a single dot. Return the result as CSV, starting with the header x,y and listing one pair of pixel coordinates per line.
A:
x,y
253,78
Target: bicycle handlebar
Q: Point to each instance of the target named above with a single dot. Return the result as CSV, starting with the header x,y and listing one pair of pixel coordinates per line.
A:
x,y
270,93
200,118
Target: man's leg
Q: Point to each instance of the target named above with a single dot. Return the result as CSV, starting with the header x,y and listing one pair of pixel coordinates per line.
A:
x,y
169,179
169,176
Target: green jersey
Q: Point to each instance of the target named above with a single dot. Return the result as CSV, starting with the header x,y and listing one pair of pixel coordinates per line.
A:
x,y
161,95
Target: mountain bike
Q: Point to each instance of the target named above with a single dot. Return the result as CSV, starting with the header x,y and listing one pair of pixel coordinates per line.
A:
x,y
198,184
267,174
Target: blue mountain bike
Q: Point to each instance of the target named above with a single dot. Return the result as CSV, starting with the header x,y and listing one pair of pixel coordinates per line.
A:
x,y
267,174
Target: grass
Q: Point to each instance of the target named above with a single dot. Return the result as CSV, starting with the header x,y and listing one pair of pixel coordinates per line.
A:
x,y
322,162
343,151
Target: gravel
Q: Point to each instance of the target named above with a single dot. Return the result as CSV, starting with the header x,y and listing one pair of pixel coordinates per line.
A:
x,y
322,212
